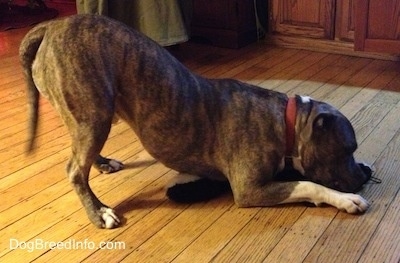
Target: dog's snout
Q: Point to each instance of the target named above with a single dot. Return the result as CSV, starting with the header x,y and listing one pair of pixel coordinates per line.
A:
x,y
361,174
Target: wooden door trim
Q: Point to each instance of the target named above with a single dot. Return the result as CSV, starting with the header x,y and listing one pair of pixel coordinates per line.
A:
x,y
360,24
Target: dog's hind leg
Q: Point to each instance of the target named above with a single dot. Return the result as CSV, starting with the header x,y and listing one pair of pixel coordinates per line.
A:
x,y
107,165
88,139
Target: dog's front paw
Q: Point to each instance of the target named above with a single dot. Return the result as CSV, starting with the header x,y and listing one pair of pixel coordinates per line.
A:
x,y
109,218
352,203
105,165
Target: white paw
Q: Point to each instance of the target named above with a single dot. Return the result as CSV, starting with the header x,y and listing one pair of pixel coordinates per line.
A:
x,y
352,203
109,217
109,166
115,165
182,178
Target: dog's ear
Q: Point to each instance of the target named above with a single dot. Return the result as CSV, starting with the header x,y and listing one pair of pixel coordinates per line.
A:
x,y
324,121
321,122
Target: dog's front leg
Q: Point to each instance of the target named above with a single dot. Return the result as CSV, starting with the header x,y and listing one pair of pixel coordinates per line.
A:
x,y
274,193
318,194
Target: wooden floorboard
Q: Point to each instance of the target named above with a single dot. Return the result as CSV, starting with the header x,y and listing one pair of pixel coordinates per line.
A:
x,y
38,204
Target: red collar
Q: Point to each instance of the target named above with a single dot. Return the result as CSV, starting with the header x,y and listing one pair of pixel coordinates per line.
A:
x,y
290,120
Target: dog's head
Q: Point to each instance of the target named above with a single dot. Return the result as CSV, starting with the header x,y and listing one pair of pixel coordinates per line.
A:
x,y
327,143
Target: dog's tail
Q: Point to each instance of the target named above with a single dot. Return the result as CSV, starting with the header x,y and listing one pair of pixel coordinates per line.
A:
x,y
27,52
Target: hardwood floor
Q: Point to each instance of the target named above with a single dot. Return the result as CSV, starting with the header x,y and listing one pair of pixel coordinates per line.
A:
x,y
38,205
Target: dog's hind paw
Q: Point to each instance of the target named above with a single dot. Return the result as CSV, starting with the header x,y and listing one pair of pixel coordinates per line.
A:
x,y
106,165
109,217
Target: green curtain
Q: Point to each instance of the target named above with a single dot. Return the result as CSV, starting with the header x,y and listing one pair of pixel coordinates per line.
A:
x,y
161,20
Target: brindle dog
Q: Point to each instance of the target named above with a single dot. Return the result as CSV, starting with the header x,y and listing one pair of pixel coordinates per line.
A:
x,y
91,68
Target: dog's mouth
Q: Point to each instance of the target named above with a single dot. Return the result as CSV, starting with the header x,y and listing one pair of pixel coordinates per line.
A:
x,y
368,177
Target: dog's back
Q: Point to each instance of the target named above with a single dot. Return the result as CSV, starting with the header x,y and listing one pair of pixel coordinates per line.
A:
x,y
93,59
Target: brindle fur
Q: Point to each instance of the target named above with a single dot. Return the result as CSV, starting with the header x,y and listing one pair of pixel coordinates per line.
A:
x,y
91,68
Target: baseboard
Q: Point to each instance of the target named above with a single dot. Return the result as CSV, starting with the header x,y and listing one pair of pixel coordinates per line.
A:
x,y
329,46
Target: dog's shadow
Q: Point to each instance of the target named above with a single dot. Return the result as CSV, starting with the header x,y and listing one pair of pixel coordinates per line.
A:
x,y
145,199
150,199
145,202
137,164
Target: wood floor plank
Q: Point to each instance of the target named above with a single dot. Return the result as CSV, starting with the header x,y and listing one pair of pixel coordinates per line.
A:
x,y
152,215
327,88
216,237
239,60
100,184
13,106
302,236
363,97
372,114
18,132
207,57
353,85
267,68
380,136
20,116
11,77
168,242
260,236
296,69
329,74
288,84
381,248
46,173
247,62
80,232
13,89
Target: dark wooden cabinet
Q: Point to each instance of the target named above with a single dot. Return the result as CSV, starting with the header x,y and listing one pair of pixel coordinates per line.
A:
x,y
226,23
377,25
339,26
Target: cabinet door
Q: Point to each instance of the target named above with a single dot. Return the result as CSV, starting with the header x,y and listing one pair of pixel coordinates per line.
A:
x,y
345,20
313,19
377,25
